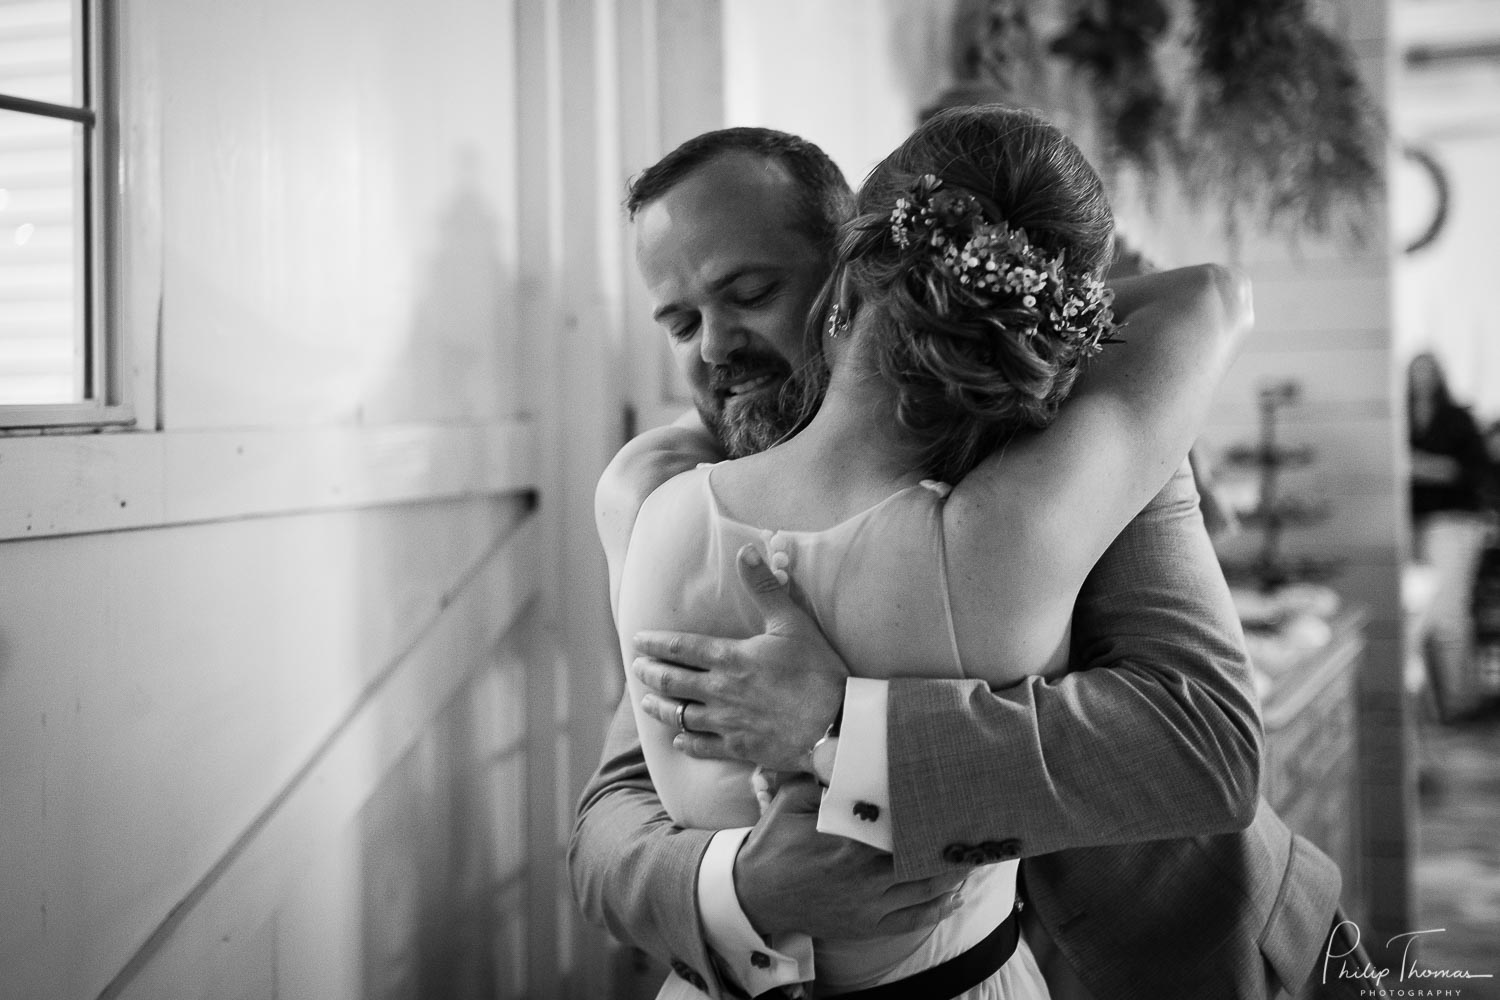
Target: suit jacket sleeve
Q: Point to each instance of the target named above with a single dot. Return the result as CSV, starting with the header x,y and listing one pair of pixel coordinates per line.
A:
x,y
1153,733
634,871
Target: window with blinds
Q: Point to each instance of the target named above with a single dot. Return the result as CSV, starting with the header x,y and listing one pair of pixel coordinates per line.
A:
x,y
53,363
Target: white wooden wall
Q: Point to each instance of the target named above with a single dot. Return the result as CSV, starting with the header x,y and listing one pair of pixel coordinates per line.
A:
x,y
300,678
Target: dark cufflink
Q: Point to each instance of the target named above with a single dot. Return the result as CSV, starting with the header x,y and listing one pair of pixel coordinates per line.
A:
x,y
867,811
760,960
1001,850
686,972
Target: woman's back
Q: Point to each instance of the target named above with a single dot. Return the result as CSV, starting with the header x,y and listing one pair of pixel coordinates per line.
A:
x,y
876,584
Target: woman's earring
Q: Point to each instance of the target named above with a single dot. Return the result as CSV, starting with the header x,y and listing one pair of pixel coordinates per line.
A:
x,y
837,322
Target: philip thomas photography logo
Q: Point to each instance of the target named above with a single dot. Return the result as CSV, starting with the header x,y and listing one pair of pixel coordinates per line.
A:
x,y
1408,979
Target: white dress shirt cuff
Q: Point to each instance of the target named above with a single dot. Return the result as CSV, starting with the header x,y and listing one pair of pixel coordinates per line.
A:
x,y
857,802
744,955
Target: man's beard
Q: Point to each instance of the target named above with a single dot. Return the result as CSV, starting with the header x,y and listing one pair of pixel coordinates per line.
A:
x,y
746,425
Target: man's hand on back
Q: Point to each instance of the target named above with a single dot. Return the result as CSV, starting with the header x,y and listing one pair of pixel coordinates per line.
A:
x,y
789,877
766,699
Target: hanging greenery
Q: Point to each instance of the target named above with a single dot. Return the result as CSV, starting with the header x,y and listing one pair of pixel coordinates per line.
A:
x,y
1271,118
1281,118
1114,44
996,46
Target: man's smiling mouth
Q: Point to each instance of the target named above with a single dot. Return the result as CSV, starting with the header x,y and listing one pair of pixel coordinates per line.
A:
x,y
751,385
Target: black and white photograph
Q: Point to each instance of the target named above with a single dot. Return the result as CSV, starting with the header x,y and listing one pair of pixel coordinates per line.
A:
x,y
729,499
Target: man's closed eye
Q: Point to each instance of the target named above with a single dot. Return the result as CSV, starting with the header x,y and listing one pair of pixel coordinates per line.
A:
x,y
751,297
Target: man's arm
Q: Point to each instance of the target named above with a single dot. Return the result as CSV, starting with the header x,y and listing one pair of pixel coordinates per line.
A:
x,y
636,873
1154,733
632,870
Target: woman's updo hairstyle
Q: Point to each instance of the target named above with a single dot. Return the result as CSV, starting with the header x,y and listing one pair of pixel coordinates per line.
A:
x,y
979,245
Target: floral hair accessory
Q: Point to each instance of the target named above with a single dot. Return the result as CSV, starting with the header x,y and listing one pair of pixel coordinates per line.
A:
x,y
1000,267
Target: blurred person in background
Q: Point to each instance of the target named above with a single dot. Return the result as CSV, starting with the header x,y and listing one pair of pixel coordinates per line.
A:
x,y
1448,463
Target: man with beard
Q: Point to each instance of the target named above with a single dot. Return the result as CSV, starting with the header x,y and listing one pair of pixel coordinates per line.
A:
x,y
732,292
1151,743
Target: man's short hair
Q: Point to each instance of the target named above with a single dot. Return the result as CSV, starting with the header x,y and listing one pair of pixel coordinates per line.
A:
x,y
824,199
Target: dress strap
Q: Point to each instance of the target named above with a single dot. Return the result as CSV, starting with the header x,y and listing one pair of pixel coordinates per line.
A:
x,y
937,486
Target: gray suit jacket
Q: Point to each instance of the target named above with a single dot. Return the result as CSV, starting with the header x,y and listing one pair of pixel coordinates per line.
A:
x,y
1129,785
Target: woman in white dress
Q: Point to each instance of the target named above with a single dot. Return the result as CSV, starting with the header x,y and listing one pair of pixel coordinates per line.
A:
x,y
965,301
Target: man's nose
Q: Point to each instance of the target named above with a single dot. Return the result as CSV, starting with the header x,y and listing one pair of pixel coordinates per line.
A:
x,y
721,337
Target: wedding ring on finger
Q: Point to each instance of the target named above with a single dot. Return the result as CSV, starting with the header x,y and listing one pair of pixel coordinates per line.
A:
x,y
682,718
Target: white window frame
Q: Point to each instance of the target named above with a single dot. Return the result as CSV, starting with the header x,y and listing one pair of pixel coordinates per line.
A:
x,y
105,401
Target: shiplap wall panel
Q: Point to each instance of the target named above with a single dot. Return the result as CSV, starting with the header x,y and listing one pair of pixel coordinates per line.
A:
x,y
346,929
390,792
67,485
1351,439
1344,384
248,972
367,282
1344,296
1355,521
202,668
317,909
1294,341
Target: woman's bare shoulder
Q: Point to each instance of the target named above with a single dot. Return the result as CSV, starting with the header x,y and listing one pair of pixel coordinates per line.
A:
x,y
643,464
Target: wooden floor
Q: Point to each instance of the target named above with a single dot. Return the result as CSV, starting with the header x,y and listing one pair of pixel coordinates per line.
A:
x,y
1458,865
